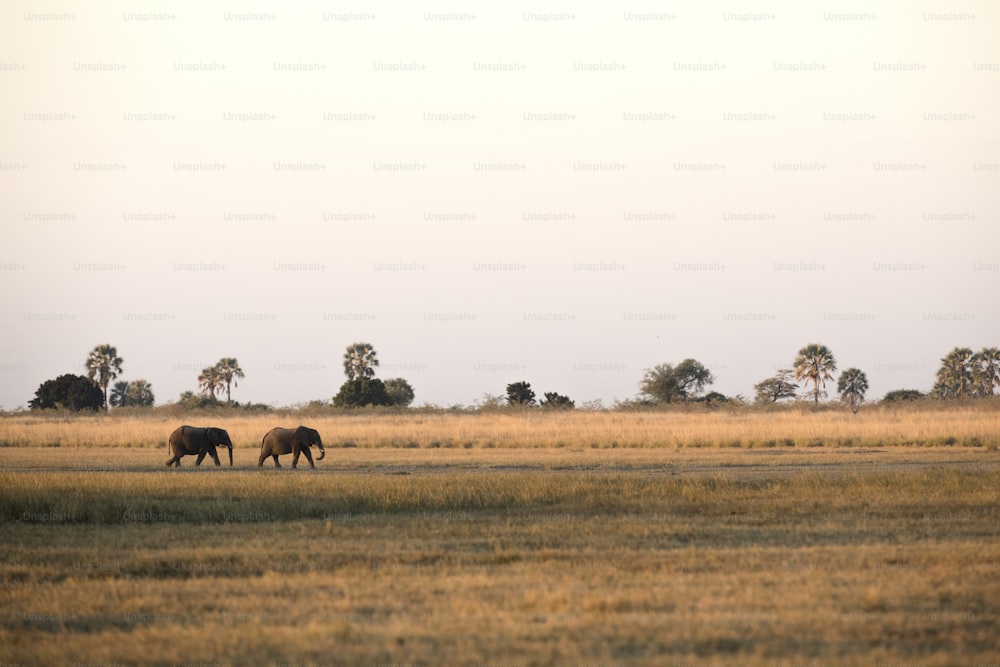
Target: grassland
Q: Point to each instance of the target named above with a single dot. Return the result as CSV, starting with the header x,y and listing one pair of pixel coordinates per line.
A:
x,y
543,552
972,425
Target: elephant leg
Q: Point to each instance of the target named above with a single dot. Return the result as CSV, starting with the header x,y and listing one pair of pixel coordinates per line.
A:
x,y
215,455
172,460
276,463
309,457
295,457
261,459
201,457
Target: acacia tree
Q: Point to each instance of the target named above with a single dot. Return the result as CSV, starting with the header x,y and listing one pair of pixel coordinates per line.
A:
x,y
103,365
229,371
659,384
852,386
360,361
956,376
692,378
815,364
666,383
773,389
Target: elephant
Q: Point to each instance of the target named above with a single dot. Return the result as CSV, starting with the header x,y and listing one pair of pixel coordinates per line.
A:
x,y
295,441
190,440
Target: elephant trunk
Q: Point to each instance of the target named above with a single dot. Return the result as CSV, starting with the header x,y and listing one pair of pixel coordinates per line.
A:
x,y
322,452
230,455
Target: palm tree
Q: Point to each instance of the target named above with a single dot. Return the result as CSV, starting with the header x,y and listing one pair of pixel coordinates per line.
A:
x,y
229,371
104,364
852,386
815,364
955,377
987,371
119,394
360,361
209,381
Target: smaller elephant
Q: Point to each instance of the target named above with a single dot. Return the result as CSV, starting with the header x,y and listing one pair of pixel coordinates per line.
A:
x,y
190,440
279,441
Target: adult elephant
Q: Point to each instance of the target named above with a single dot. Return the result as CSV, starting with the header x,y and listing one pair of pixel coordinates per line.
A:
x,y
279,441
190,440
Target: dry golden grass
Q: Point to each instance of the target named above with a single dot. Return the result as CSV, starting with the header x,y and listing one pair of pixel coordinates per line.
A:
x,y
742,463
645,557
975,426
729,538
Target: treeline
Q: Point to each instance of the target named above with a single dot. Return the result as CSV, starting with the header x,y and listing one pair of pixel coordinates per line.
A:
x,y
94,390
963,374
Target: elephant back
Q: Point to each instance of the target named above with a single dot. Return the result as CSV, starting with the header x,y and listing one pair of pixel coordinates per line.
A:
x,y
178,435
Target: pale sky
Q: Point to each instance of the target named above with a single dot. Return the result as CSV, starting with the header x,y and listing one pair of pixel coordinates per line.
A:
x,y
561,193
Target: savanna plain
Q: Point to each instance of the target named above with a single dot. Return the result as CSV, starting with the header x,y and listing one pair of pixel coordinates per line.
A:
x,y
786,537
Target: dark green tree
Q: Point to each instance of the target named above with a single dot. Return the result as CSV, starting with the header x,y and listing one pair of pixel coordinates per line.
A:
x,y
692,378
139,393
399,391
361,392
520,393
659,384
71,392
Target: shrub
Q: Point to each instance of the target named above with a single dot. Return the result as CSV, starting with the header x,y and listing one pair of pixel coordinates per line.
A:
x,y
72,392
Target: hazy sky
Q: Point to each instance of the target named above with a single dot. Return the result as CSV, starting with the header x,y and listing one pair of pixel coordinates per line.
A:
x,y
562,193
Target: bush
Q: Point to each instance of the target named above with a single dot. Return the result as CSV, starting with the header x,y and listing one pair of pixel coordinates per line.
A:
x,y
520,393
361,392
713,398
554,401
399,392
72,392
903,395
192,401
